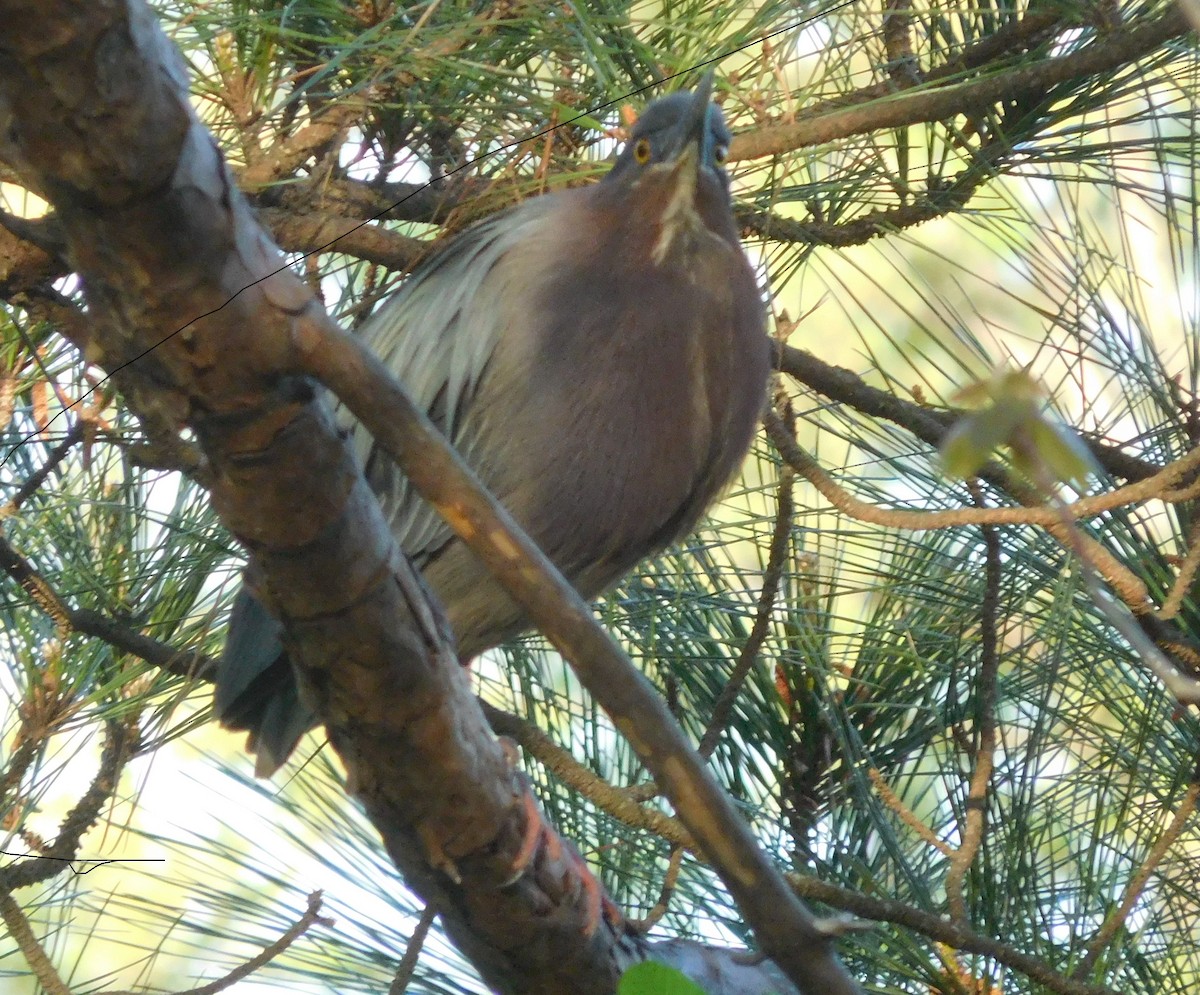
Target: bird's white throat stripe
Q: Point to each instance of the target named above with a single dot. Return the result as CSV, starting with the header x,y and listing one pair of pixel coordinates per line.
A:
x,y
680,213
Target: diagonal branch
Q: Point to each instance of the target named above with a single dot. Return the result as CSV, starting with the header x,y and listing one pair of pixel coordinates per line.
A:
x,y
748,656
941,929
1137,883
98,625
21,932
1108,53
160,235
311,917
120,743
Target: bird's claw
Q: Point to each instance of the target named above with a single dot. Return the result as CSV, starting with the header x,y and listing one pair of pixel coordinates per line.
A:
x,y
538,837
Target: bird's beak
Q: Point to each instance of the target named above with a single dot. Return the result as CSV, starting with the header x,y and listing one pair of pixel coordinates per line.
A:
x,y
691,134
693,130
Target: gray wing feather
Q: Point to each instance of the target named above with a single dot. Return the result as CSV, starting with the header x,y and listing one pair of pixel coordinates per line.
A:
x,y
437,336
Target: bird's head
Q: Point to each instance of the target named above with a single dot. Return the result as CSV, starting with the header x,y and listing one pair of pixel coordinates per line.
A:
x,y
671,171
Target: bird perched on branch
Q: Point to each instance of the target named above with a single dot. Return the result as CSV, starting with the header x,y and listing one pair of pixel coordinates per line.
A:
x,y
598,357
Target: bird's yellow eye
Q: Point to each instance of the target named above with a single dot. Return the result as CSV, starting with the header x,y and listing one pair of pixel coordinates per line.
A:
x,y
721,154
641,151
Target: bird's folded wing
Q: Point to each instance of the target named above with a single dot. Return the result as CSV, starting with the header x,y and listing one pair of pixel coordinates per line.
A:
x,y
437,335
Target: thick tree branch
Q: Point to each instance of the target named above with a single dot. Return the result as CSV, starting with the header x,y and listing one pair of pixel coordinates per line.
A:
x,y
316,231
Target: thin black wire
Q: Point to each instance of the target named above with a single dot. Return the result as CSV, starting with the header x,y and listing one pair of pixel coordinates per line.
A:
x,y
387,210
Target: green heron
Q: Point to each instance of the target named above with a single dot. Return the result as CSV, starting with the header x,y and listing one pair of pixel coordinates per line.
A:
x,y
598,356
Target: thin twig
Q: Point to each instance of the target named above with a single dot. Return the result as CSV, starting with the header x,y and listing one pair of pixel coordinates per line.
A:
x,y
927,424
1093,559
19,761
412,952
772,576
953,975
35,585
1160,487
120,742
31,949
1137,883
1009,39
902,64
38,477
311,917
621,804
1184,579
974,820
181,663
85,621
942,930
906,814
1127,584
659,909
117,634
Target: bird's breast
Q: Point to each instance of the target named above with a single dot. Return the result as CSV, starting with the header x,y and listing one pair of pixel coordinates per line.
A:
x,y
626,393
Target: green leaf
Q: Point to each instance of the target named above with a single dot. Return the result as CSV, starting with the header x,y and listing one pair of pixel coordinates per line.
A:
x,y
1012,412
652,978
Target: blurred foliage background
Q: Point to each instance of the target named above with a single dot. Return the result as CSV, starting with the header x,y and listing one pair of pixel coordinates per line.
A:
x,y
937,722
